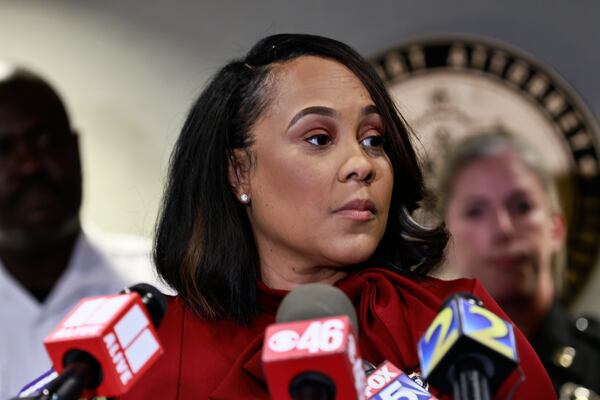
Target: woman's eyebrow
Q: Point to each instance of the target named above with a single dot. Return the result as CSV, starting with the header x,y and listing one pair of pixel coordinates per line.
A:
x,y
372,109
327,112
319,110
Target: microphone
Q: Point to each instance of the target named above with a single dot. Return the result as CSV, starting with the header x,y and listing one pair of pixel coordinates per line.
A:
x,y
105,343
467,351
389,382
311,352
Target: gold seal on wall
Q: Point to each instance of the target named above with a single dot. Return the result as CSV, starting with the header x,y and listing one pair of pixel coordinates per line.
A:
x,y
451,86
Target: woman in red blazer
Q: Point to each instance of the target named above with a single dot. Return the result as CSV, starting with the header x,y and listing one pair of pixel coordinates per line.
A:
x,y
294,166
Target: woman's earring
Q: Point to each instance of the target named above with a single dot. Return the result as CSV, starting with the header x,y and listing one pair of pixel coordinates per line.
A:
x,y
244,198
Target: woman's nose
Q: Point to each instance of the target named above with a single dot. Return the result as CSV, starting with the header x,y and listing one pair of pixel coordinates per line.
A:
x,y
357,166
503,223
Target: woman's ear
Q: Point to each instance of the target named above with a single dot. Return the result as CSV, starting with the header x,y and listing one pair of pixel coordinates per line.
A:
x,y
558,231
239,174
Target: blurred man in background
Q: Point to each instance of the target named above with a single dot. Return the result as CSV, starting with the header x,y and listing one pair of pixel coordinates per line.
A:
x,y
47,263
502,210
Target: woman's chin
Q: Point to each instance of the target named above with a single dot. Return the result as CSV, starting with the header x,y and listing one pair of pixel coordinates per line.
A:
x,y
353,255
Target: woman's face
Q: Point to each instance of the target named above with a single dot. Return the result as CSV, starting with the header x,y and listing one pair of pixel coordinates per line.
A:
x,y
320,182
503,231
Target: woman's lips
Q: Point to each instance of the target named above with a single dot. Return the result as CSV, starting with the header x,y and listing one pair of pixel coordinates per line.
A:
x,y
358,209
507,261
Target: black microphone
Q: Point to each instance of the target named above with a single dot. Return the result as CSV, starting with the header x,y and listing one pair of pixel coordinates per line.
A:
x,y
467,351
85,346
311,351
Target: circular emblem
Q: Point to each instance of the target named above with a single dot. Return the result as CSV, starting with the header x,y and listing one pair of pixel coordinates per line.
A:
x,y
450,86
284,341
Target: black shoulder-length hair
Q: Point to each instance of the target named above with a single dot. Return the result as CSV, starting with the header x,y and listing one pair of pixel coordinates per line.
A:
x,y
204,246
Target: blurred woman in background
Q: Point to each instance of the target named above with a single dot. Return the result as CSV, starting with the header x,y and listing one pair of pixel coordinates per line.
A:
x,y
502,210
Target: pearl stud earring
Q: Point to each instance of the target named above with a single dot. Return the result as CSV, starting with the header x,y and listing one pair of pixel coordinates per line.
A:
x,y
244,198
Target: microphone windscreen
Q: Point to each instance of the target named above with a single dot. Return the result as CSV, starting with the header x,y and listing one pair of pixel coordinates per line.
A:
x,y
154,300
316,300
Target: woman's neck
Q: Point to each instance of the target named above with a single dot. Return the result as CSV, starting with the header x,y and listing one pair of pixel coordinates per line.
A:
x,y
529,313
289,277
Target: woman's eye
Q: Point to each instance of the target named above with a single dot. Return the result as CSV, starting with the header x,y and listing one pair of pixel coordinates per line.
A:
x,y
473,213
375,141
522,207
319,139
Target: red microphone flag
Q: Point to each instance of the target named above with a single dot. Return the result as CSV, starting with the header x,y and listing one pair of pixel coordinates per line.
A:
x,y
324,345
117,331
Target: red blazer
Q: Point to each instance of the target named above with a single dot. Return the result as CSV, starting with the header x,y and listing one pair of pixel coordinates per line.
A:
x,y
221,359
